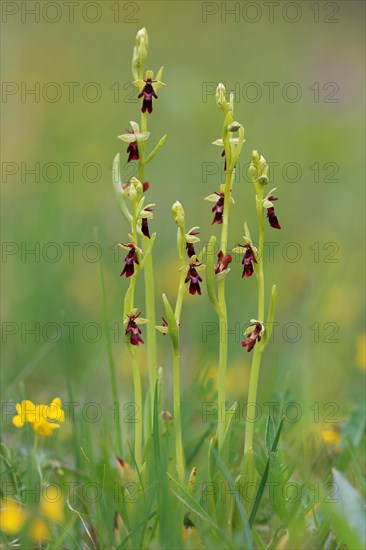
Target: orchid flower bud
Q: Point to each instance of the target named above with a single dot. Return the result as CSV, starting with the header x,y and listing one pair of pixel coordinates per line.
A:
x,y
178,213
221,96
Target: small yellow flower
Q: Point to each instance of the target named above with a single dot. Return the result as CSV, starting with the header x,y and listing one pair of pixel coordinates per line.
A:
x,y
41,417
12,516
331,437
55,411
38,530
26,413
52,503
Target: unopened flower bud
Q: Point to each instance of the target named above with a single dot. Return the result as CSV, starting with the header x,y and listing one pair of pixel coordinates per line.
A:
x,y
132,193
178,213
135,63
255,157
142,35
139,53
137,185
142,49
263,180
262,165
252,172
221,96
234,126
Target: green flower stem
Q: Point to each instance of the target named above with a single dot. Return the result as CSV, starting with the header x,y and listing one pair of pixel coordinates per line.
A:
x,y
177,416
36,472
221,400
150,327
143,120
138,404
222,364
128,306
176,365
258,349
34,454
260,274
149,286
252,395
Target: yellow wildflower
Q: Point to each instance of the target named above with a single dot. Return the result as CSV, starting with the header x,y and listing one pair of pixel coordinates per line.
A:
x,y
38,530
331,437
26,413
39,416
52,503
12,516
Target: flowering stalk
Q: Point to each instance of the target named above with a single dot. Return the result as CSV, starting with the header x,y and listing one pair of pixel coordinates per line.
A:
x,y
137,217
232,148
129,315
138,69
189,276
259,175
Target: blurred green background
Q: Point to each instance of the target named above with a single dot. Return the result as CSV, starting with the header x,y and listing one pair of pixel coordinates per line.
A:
x,y
320,294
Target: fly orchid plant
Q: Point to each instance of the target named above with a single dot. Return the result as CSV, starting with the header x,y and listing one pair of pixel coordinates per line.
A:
x,y
131,200
138,246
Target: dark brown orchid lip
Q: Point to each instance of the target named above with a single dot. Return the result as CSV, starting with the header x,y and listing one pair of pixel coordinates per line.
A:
x,y
145,227
130,259
147,93
248,260
194,279
223,261
272,218
190,250
218,208
132,150
253,337
133,330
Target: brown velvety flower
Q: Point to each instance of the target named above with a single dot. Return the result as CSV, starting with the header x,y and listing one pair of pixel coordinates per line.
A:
x,y
254,334
148,93
130,259
132,138
223,261
132,150
248,260
218,208
190,245
271,214
194,279
133,330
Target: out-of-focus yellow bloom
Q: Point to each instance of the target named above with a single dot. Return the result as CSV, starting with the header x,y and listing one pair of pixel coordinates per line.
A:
x,y
12,516
26,413
361,351
331,437
38,530
52,503
55,411
39,416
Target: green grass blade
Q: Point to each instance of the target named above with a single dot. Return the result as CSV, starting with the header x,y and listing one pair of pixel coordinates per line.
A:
x,y
264,478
